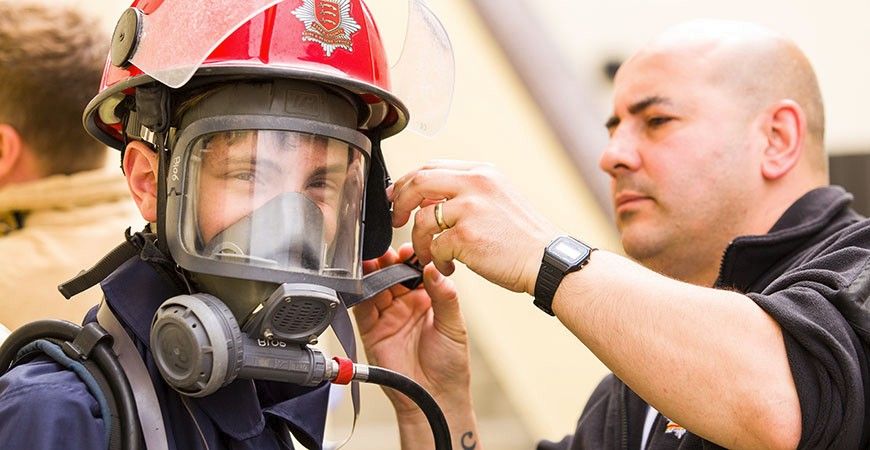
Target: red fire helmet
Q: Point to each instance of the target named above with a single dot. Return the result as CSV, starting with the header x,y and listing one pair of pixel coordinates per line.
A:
x,y
330,41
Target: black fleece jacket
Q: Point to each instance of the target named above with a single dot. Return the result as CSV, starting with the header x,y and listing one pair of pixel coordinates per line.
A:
x,y
811,273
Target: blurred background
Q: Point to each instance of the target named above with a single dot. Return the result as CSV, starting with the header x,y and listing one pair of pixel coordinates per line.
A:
x,y
532,93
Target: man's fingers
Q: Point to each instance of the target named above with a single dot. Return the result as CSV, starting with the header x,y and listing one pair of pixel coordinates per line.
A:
x,y
366,315
444,251
439,164
370,266
388,259
442,291
455,164
445,303
426,226
422,186
422,232
405,252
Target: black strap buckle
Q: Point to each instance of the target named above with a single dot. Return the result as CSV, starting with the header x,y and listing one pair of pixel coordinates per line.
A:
x,y
413,262
88,338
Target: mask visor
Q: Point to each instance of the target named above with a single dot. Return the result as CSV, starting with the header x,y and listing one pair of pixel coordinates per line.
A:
x,y
287,201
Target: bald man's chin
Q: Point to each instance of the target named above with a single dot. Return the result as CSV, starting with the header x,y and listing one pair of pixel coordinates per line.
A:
x,y
641,244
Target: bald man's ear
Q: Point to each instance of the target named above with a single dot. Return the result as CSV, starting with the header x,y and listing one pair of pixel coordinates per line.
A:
x,y
10,149
141,168
785,129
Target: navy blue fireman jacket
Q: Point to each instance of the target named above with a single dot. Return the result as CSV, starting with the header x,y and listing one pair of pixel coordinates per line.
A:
x,y
44,406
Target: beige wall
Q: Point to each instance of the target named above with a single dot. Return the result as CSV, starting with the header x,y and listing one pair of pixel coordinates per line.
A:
x,y
833,34
544,371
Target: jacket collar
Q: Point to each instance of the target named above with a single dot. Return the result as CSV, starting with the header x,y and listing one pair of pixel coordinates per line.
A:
x,y
65,191
137,289
747,258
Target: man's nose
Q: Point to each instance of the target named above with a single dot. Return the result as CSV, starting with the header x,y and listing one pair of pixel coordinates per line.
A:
x,y
620,154
292,182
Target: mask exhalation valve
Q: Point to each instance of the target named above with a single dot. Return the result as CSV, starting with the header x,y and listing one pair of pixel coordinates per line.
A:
x,y
296,313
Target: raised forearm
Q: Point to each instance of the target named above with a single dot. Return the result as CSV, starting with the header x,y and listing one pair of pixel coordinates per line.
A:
x,y
711,360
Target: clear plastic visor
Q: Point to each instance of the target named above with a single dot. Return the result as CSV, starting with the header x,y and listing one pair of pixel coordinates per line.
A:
x,y
281,200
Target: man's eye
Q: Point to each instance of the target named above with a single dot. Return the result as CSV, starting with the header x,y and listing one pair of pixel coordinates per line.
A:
x,y
657,121
317,183
243,176
323,185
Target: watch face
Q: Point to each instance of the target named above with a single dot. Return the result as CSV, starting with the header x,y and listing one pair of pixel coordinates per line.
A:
x,y
568,250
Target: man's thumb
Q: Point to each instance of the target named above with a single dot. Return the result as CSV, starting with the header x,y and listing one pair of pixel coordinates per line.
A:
x,y
445,303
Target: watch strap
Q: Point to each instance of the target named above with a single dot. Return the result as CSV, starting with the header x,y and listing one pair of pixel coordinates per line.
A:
x,y
550,275
548,281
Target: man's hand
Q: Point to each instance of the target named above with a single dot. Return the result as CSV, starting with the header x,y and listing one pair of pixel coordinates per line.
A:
x,y
419,333
491,228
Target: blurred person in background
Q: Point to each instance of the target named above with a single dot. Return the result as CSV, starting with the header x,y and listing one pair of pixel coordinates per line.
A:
x,y
61,210
740,320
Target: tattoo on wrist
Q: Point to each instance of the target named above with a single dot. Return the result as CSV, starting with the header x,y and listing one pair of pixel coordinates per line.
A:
x,y
468,441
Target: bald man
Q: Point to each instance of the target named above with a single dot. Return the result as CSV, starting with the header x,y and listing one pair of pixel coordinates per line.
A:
x,y
739,319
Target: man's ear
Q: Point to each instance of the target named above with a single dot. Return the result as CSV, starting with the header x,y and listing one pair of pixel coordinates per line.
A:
x,y
785,129
10,150
141,168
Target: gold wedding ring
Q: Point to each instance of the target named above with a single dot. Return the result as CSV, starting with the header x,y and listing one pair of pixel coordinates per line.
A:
x,y
439,217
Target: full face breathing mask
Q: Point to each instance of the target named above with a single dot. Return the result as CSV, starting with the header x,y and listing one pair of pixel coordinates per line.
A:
x,y
265,215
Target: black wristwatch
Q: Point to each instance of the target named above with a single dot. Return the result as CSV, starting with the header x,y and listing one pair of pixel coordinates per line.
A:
x,y
563,256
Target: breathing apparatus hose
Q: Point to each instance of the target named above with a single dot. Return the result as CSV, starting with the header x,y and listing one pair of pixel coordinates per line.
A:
x,y
405,385
101,354
343,372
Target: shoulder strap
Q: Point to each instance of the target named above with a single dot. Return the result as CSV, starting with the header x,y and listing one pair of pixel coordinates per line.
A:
x,y
147,404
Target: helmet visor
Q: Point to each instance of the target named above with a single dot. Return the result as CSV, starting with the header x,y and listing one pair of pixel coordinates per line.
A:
x,y
171,57
282,200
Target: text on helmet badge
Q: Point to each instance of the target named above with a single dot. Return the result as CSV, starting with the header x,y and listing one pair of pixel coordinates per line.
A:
x,y
327,22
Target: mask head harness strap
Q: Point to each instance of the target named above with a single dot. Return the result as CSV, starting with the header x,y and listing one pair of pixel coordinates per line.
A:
x,y
377,217
153,112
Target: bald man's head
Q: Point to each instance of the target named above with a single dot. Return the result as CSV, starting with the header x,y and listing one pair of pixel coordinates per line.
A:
x,y
758,66
717,127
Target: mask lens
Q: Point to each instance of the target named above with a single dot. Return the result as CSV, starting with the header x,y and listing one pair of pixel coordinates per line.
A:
x,y
279,199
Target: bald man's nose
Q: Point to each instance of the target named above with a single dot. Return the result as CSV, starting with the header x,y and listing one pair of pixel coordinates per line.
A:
x,y
621,154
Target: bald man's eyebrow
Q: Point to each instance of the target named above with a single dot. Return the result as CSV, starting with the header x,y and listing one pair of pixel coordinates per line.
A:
x,y
637,108
640,106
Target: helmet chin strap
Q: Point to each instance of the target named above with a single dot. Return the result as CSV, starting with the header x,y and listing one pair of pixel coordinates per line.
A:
x,y
163,157
153,112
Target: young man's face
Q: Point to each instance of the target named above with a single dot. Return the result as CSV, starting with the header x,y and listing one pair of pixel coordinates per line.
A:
x,y
678,159
241,171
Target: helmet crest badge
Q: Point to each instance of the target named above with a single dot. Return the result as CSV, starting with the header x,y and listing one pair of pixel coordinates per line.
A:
x,y
329,23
